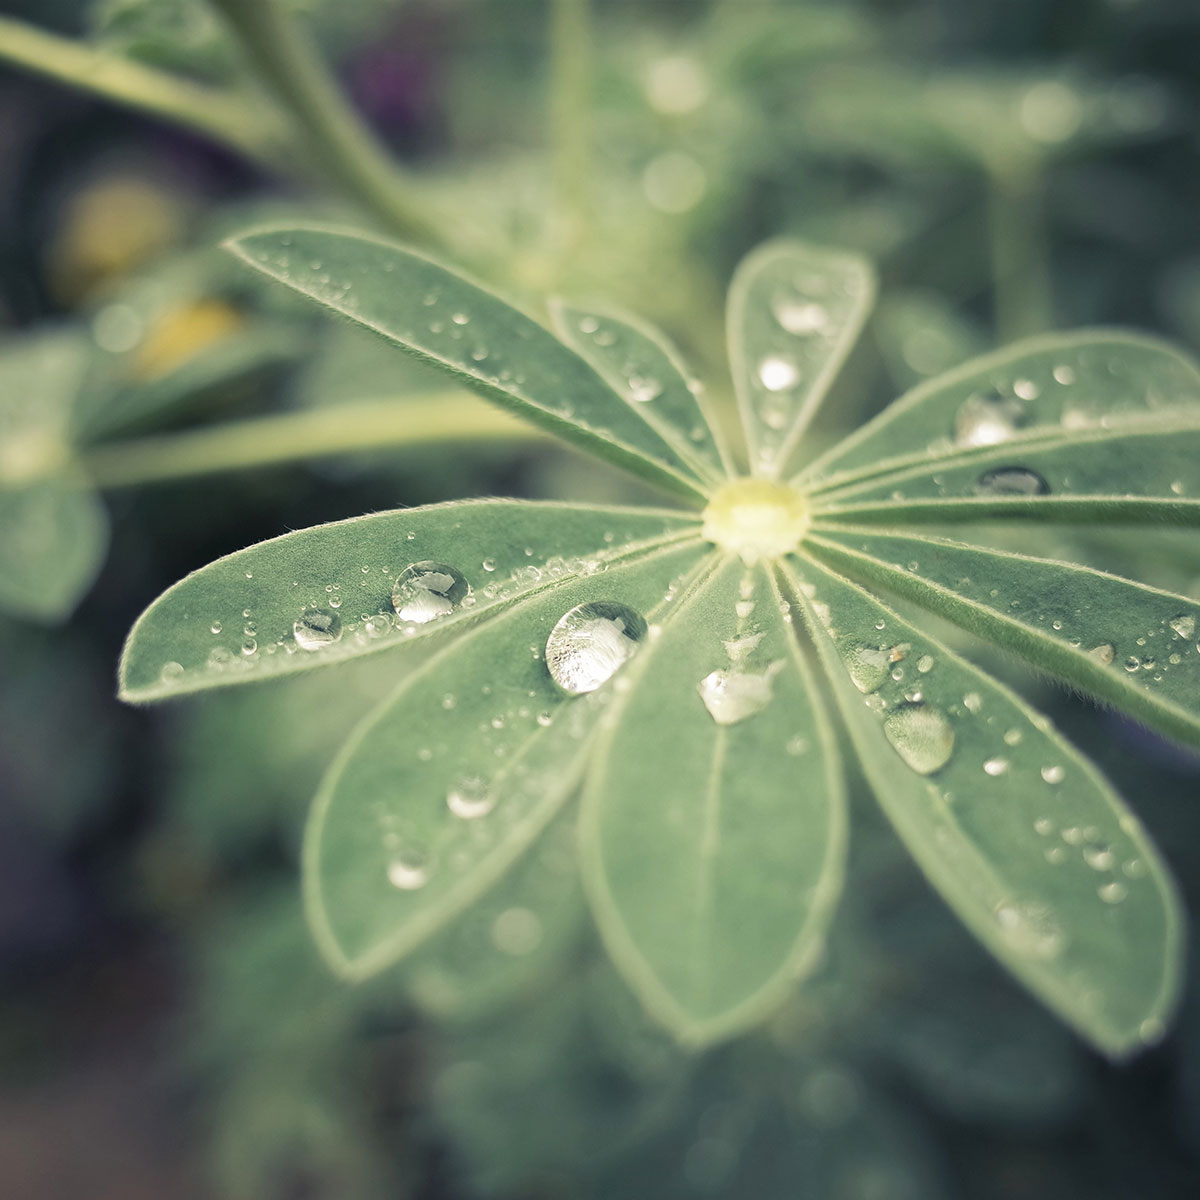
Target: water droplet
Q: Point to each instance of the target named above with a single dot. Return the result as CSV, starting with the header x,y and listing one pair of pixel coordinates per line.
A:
x,y
1053,773
591,643
1013,737
644,389
1099,857
408,871
988,419
996,766
516,931
1113,892
733,696
170,672
1103,653
1064,374
1031,928
425,591
316,628
1184,626
1011,481
972,702
800,316
470,797
925,663
460,318
1132,663
868,667
215,627
777,373
922,737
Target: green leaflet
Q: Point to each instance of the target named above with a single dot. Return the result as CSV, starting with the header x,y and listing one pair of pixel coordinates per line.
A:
x,y
1131,645
794,312
508,941
713,825
439,792
1132,471
1015,829
1052,386
482,341
639,364
259,612
53,527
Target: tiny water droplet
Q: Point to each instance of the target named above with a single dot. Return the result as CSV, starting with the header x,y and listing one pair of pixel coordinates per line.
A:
x,y
316,628
470,797
972,702
460,318
425,591
1013,737
777,373
1031,928
1103,653
215,627
1053,773
1113,892
643,389
170,672
517,931
996,766
1011,481
1099,857
591,643
922,737
800,316
925,663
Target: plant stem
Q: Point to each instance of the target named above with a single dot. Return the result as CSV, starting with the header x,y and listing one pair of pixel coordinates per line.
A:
x,y
570,124
259,134
292,437
287,62
1022,294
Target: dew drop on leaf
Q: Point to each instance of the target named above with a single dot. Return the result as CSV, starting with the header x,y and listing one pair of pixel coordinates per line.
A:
x,y
516,931
800,316
1103,653
408,871
643,389
922,737
1011,481
591,643
733,696
777,373
1031,928
316,628
987,419
425,591
470,797
996,766
1113,892
1053,773
868,667
1184,626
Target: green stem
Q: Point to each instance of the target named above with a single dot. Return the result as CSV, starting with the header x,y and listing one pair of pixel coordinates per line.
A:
x,y
257,133
1020,279
286,61
570,133
413,422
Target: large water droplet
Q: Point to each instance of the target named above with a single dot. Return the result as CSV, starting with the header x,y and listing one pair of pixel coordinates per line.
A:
x,y
316,628
1011,481
591,643
425,591
988,419
732,696
777,373
868,667
470,797
1031,928
922,737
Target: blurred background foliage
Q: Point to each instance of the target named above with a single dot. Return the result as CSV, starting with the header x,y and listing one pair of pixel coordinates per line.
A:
x,y
165,1026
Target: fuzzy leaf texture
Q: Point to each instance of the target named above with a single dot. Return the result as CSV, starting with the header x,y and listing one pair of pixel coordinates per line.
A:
x,y
679,672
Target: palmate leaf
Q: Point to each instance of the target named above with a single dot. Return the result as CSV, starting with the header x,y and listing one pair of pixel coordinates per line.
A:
x,y
713,824
794,312
473,335
1131,645
247,616
438,793
1016,830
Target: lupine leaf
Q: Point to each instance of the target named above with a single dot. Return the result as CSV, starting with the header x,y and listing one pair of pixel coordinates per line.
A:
x,y
1131,645
473,335
638,363
794,312
439,792
1051,386
1131,471
1017,831
713,825
236,619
